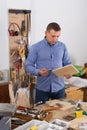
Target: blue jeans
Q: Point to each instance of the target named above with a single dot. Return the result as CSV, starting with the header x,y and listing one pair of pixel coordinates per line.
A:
x,y
45,96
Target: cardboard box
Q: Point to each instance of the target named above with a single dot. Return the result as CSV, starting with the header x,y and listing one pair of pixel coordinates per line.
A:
x,y
75,93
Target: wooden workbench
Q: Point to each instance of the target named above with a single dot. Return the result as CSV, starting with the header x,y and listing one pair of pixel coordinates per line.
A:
x,y
56,114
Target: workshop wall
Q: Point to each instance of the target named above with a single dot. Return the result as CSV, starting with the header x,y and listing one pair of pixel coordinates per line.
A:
x,y
4,48
4,23
70,14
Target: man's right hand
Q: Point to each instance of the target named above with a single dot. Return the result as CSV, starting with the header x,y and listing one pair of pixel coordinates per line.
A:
x,y
43,72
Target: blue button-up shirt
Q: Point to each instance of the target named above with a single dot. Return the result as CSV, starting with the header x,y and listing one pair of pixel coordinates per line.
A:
x,y
42,55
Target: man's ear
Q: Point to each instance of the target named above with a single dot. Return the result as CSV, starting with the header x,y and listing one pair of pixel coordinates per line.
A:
x,y
45,33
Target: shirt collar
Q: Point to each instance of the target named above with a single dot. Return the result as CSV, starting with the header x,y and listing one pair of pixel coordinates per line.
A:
x,y
48,42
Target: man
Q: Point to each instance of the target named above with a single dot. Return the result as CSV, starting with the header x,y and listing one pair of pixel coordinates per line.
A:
x,y
44,56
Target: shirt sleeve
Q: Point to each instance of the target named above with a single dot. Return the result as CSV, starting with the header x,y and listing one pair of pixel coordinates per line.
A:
x,y
31,61
66,57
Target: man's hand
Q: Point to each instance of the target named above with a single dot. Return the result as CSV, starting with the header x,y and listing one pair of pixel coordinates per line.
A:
x,y
68,76
44,72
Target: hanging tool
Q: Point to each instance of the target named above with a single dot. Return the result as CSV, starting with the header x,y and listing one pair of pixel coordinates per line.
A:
x,y
23,27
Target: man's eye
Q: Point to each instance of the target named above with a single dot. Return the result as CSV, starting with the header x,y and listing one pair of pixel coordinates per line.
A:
x,y
53,36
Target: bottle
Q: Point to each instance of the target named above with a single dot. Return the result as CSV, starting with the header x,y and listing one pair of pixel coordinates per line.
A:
x,y
85,70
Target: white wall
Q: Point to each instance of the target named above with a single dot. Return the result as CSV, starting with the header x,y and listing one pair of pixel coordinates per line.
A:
x,y
4,38
70,14
4,48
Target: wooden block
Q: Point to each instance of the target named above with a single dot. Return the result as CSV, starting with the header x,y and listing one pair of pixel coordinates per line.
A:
x,y
65,105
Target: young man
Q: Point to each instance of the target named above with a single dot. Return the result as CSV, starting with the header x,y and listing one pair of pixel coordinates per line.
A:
x,y
44,56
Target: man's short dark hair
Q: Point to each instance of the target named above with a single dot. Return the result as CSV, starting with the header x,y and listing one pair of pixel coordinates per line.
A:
x,y
54,26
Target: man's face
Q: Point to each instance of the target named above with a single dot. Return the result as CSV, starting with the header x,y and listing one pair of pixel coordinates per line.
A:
x,y
52,36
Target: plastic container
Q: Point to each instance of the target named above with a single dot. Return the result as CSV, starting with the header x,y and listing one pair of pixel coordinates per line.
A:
x,y
5,123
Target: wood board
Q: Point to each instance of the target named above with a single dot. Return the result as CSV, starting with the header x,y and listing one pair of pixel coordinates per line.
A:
x,y
65,105
66,70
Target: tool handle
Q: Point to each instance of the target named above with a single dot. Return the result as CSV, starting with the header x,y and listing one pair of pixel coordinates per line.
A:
x,y
52,108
